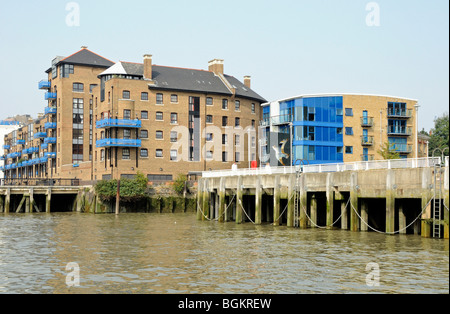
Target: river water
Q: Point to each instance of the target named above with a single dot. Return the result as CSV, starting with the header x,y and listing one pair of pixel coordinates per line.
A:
x,y
176,254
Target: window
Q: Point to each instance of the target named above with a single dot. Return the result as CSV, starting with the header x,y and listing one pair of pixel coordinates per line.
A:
x,y
349,150
237,156
348,131
349,112
209,119
159,116
209,137
159,99
144,96
253,108
237,140
339,150
102,155
173,155
126,94
126,134
66,70
237,122
209,155
237,105
127,114
159,135
78,103
173,137
159,153
339,131
224,156
174,118
91,88
224,139
158,177
209,101
339,112
225,104
144,115
125,153
224,121
174,99
253,124
144,153
78,87
144,134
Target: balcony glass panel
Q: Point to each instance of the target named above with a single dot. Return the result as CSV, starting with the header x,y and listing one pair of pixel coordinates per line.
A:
x,y
50,96
118,123
50,140
45,84
117,142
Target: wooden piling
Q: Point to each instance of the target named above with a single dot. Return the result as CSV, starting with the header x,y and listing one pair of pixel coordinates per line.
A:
x,y
206,199
344,215
200,199
7,200
401,219
290,213
48,201
258,201
313,210
364,215
390,202
276,202
239,204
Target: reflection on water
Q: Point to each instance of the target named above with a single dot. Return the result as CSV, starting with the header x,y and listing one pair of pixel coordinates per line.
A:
x,y
174,253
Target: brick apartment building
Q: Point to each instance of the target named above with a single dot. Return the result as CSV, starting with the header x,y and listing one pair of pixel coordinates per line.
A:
x,y
336,128
110,120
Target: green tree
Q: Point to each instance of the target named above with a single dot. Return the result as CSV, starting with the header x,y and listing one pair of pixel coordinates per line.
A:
x,y
440,135
179,184
387,151
131,190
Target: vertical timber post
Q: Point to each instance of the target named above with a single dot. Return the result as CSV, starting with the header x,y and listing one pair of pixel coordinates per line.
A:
x,y
290,213
222,200
239,194
258,201
206,199
313,211
330,201
118,198
364,215
200,199
390,202
7,200
48,200
303,203
401,219
344,213
276,202
354,221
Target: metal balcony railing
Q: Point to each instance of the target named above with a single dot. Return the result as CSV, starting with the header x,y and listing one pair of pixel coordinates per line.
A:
x,y
396,130
50,110
50,125
367,122
118,123
40,135
399,113
50,140
117,142
367,140
44,84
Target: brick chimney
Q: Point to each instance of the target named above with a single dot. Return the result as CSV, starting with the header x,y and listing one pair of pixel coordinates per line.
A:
x,y
248,81
148,67
216,66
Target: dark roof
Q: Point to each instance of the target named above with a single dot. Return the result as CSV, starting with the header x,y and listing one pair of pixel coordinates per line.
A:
x,y
181,79
86,57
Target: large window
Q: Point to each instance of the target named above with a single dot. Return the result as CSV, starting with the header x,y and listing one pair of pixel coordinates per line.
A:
x,y
78,87
66,70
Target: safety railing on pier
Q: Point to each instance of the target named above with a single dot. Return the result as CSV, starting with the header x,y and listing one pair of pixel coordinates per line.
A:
x,y
39,182
338,167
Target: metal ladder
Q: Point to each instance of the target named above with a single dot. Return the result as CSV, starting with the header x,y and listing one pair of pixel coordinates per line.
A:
x,y
297,194
437,204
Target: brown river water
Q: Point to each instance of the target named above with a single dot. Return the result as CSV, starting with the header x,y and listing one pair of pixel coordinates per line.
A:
x,y
176,254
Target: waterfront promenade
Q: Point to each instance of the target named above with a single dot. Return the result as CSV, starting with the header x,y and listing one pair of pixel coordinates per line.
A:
x,y
392,196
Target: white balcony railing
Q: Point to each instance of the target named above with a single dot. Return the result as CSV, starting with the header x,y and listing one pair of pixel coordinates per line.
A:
x,y
324,168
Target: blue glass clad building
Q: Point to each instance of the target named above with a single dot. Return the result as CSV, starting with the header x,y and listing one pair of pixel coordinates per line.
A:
x,y
316,124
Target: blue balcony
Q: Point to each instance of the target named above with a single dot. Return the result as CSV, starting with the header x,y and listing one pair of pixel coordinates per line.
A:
x,y
118,123
51,155
117,142
14,155
45,84
30,150
50,140
6,146
50,110
50,125
50,96
399,130
40,135
44,146
20,142
43,160
2,158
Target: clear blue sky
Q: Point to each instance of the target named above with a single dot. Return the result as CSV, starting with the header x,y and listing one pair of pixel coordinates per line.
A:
x,y
288,47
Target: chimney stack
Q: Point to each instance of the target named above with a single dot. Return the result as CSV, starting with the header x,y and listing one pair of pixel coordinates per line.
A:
x,y
216,66
148,67
248,81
